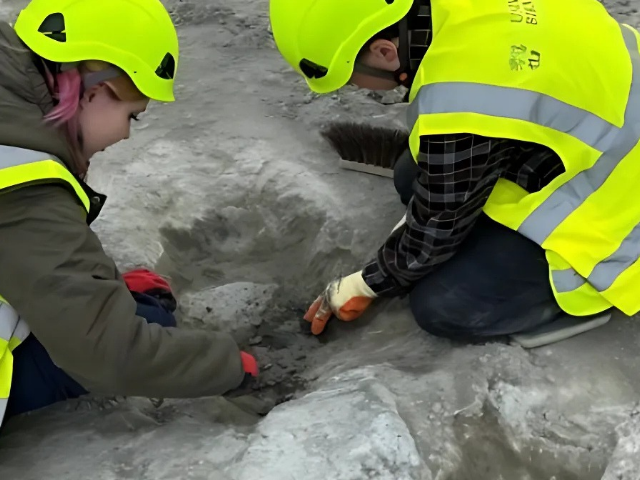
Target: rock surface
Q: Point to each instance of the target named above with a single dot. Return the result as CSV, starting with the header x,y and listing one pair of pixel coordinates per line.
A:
x,y
232,194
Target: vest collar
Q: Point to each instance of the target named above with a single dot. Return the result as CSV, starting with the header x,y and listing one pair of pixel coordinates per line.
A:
x,y
97,201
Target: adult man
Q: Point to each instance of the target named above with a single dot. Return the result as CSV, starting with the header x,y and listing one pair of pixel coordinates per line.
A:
x,y
524,128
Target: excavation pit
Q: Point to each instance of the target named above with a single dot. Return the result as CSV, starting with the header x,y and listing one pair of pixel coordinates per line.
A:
x,y
233,194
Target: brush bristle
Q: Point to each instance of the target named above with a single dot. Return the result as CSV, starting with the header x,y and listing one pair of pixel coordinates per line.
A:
x,y
363,143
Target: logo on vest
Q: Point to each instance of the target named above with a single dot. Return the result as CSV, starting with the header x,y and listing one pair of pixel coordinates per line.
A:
x,y
523,11
522,57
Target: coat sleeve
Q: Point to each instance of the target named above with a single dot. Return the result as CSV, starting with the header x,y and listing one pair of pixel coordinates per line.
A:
x,y
57,276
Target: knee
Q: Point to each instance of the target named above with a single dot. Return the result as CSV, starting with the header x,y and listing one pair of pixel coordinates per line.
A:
x,y
445,314
432,314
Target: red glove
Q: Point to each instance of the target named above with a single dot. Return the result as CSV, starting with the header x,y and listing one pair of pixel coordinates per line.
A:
x,y
249,364
143,280
150,283
250,367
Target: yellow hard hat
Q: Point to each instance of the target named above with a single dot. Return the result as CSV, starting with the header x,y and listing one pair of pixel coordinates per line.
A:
x,y
321,39
137,36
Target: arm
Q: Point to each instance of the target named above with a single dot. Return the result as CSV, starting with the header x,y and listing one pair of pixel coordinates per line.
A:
x,y
456,176
57,276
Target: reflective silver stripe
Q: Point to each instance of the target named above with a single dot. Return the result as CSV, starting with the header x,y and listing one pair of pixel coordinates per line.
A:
x,y
8,321
22,331
567,280
614,142
606,272
14,156
553,211
461,97
563,201
3,407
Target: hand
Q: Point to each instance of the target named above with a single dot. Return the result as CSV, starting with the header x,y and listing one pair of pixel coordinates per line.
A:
x,y
346,298
250,367
249,364
150,283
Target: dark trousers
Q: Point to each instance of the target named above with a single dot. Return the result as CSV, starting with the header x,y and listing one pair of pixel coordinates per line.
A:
x,y
37,382
496,284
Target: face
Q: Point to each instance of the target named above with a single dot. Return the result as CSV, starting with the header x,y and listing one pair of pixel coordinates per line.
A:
x,y
104,119
382,54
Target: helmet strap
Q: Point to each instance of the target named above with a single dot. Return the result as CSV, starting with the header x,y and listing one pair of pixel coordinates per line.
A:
x,y
404,75
89,79
94,78
374,72
54,68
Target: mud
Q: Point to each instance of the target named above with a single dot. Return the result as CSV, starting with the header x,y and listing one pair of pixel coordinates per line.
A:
x,y
282,346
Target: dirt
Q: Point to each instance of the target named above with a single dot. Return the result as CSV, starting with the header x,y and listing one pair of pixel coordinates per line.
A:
x,y
232,194
282,346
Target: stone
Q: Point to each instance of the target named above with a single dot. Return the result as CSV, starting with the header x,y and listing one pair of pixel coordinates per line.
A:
x,y
231,193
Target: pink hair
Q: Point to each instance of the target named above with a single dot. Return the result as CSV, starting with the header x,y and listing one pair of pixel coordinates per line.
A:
x,y
66,88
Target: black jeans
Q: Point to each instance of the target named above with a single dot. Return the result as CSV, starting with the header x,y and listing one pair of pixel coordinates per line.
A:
x,y
496,284
37,382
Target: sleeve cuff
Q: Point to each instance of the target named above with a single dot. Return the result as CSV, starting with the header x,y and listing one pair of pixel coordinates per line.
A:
x,y
381,284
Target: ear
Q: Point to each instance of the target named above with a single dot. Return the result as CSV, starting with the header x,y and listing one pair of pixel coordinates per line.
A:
x,y
89,94
385,49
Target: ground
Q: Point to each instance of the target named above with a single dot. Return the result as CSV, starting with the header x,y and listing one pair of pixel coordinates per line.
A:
x,y
232,193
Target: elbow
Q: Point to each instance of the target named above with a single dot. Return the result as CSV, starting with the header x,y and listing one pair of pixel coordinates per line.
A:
x,y
97,374
114,381
105,380
121,377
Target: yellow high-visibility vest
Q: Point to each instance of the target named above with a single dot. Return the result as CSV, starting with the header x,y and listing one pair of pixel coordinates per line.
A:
x,y
535,71
20,167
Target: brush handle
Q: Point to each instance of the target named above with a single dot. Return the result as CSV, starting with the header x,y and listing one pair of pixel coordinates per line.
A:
x,y
364,168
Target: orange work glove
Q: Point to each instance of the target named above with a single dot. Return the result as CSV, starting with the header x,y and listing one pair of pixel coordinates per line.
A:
x,y
346,298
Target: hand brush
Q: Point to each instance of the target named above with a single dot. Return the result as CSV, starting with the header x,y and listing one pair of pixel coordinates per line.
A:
x,y
366,148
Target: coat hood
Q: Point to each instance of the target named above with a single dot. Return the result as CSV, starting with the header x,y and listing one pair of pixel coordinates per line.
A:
x,y
25,99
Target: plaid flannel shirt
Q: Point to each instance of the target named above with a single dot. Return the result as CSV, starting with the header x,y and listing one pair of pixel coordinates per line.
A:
x,y
456,175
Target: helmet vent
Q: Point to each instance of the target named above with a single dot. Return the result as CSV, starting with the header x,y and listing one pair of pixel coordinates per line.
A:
x,y
311,69
53,27
167,68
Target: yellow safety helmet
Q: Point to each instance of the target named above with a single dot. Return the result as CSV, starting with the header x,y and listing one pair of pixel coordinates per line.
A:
x,y
137,36
321,39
